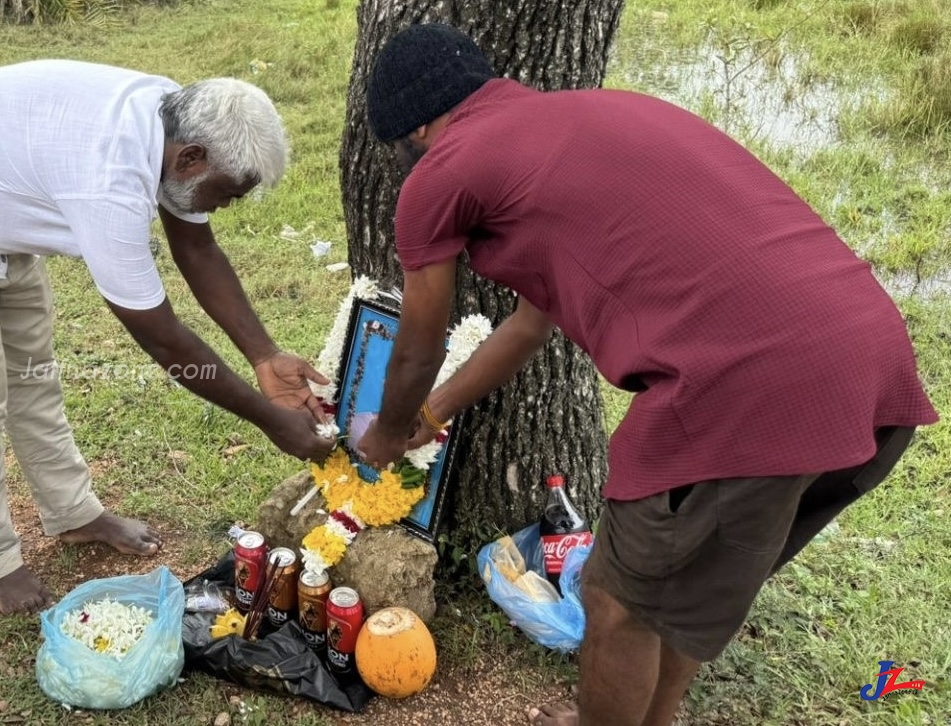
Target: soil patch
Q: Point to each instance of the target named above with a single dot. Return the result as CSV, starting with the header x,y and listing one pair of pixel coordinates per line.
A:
x,y
484,694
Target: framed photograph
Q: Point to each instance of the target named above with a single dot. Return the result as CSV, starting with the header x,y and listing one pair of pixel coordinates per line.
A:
x,y
366,354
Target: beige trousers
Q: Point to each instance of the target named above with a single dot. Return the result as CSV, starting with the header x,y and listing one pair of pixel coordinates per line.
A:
x,y
31,411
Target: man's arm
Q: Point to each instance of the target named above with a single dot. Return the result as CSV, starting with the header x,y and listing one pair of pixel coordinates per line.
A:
x,y
215,285
178,350
205,267
420,345
410,377
495,362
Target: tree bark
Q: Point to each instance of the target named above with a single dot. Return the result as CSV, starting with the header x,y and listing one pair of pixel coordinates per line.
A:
x,y
550,418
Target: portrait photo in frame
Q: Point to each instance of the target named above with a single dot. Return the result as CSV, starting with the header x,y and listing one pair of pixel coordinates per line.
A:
x,y
366,354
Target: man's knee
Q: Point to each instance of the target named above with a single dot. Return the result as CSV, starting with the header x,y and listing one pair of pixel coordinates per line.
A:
x,y
604,613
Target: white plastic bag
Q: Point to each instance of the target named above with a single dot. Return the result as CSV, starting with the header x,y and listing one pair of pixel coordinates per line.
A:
x,y
71,673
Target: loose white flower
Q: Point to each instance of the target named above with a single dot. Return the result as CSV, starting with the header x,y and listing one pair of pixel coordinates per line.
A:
x,y
107,626
320,248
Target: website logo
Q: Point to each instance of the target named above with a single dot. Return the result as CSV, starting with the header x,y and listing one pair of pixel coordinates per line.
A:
x,y
887,683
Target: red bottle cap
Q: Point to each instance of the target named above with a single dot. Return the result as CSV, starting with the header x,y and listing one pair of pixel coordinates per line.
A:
x,y
555,480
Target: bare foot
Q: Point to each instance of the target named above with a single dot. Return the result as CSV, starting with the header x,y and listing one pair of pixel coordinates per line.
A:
x,y
554,714
21,593
126,535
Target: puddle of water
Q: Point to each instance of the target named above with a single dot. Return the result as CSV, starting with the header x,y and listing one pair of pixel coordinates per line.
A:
x,y
762,94
757,93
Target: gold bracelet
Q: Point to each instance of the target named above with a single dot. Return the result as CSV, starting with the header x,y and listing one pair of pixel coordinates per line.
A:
x,y
426,413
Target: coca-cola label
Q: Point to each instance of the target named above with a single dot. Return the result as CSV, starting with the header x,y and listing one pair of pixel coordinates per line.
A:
x,y
556,546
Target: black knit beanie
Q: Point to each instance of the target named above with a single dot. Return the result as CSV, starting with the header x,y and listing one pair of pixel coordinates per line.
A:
x,y
422,72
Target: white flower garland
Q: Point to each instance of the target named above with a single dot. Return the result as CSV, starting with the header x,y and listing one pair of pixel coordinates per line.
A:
x,y
328,362
463,340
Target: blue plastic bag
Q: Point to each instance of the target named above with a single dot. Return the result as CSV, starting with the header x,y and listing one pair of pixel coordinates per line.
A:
x,y
70,672
556,625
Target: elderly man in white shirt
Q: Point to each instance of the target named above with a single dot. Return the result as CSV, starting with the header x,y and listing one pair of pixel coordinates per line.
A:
x,y
88,155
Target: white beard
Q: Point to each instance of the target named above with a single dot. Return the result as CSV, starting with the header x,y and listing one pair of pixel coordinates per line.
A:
x,y
179,197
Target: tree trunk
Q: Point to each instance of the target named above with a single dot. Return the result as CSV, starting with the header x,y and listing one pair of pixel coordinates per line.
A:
x,y
550,418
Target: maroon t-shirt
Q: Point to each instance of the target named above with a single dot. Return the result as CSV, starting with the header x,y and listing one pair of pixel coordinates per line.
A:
x,y
684,267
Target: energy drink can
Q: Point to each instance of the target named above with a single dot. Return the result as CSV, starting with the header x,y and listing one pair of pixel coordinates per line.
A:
x,y
313,590
344,620
250,552
282,601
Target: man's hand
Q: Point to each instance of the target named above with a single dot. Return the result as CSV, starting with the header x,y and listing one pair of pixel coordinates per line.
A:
x,y
293,432
422,435
283,380
380,447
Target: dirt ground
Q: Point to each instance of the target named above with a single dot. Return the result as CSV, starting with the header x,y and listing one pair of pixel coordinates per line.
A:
x,y
489,694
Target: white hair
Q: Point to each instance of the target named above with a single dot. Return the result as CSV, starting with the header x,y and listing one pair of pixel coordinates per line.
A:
x,y
237,124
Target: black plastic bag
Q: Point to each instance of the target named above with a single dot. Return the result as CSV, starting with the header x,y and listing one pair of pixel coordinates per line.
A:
x,y
278,661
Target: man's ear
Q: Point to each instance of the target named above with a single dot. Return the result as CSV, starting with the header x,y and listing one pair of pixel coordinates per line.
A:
x,y
191,159
427,133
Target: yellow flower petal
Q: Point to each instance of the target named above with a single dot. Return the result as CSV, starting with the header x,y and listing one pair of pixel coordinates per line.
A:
x,y
228,623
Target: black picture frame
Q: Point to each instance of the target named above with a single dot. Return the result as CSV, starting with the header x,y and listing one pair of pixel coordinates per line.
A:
x,y
366,353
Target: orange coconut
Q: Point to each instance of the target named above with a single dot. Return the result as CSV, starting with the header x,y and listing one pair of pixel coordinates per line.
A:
x,y
395,653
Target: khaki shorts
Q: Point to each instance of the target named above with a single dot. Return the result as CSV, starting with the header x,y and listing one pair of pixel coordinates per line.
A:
x,y
689,562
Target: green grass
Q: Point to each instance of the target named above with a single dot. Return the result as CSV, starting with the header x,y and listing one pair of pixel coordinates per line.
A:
x,y
878,589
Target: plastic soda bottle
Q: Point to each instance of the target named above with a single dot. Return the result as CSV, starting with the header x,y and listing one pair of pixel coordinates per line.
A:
x,y
561,528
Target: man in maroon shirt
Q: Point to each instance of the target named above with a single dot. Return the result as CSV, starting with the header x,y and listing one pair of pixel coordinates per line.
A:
x,y
776,381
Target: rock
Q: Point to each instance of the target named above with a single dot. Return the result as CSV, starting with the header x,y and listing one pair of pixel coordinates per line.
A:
x,y
386,565
223,719
274,515
389,566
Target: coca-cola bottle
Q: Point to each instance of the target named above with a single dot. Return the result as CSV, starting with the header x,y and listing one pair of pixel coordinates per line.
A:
x,y
561,528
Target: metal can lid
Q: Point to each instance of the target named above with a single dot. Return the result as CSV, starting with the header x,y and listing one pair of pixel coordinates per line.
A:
x,y
282,556
251,540
310,578
344,597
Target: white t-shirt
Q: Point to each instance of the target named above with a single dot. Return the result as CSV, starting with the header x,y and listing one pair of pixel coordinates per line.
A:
x,y
81,150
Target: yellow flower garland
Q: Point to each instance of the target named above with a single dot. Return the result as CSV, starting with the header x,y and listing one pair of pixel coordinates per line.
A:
x,y
353,503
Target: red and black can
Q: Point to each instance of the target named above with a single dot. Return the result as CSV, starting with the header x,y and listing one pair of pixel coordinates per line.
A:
x,y
344,620
282,598
250,552
313,590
